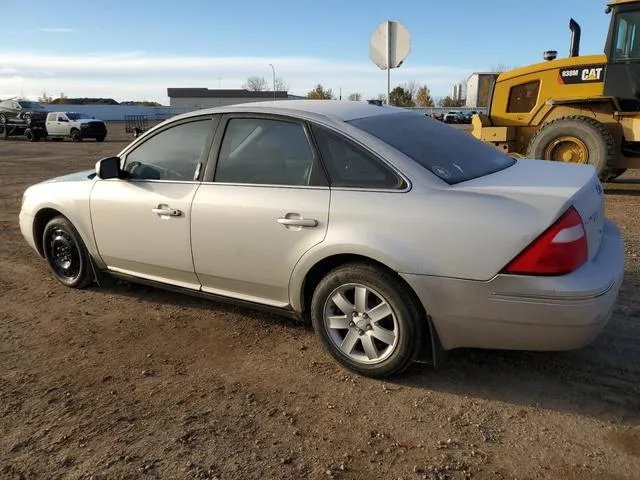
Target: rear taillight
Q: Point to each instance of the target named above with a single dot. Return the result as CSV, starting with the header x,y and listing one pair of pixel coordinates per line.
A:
x,y
561,249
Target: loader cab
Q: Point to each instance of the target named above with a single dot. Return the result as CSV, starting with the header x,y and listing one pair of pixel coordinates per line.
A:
x,y
622,79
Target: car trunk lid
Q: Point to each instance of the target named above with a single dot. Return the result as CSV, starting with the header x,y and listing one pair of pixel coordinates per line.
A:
x,y
551,188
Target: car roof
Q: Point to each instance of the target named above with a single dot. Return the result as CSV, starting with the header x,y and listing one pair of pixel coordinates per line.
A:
x,y
334,109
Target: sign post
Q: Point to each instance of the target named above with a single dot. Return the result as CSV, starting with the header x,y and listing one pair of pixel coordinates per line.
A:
x,y
389,46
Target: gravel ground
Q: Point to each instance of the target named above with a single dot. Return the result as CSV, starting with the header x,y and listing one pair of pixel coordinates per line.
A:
x,y
128,382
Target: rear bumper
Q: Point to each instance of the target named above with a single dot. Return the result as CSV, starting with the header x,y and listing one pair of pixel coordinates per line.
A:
x,y
527,313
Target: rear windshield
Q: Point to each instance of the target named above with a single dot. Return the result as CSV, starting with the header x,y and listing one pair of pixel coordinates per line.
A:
x,y
77,116
453,155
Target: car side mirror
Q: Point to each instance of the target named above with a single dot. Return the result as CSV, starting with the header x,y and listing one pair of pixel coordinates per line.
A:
x,y
109,167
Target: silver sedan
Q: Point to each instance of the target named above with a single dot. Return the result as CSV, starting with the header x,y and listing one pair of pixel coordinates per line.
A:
x,y
396,235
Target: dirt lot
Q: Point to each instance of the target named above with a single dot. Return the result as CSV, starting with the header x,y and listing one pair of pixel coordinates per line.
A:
x,y
125,381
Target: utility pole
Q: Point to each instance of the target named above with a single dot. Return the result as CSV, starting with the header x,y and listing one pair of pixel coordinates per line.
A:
x,y
274,80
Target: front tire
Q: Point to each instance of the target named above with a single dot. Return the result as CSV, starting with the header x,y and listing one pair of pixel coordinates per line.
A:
x,y
66,253
367,320
76,136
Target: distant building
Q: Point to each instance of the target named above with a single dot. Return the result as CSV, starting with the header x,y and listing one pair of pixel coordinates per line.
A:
x,y
197,98
457,92
479,88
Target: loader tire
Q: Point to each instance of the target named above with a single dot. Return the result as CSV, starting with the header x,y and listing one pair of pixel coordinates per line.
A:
x,y
575,139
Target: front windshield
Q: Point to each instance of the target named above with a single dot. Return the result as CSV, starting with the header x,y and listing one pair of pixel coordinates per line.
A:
x,y
627,36
77,116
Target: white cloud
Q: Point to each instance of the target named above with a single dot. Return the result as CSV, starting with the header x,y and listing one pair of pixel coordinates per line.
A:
x,y
57,30
136,75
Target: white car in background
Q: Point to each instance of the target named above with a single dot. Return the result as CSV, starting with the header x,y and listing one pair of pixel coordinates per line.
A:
x,y
393,233
453,116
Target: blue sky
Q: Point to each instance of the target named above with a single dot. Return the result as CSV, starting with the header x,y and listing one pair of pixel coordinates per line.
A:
x,y
135,50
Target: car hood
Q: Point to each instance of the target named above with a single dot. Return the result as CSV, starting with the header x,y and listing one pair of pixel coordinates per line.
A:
x,y
73,177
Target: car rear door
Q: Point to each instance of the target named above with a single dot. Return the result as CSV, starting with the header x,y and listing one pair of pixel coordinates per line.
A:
x,y
264,206
142,224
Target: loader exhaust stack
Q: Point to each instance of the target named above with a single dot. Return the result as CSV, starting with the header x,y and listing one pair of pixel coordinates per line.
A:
x,y
574,49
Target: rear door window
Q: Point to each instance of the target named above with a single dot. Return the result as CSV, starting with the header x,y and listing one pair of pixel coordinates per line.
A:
x,y
349,166
453,155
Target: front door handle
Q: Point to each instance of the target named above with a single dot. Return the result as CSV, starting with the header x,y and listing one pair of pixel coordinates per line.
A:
x,y
298,222
164,210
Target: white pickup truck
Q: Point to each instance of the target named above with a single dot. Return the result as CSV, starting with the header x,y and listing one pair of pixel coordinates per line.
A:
x,y
76,126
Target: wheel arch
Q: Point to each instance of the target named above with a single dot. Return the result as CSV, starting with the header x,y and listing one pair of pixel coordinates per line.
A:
x,y
40,221
431,348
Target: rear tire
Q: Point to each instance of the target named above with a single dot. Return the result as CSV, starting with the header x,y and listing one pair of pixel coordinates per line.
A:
x,y
374,343
66,253
30,135
575,139
101,138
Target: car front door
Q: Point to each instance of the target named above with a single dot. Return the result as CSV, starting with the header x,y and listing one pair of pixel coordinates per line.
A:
x,y
264,206
142,223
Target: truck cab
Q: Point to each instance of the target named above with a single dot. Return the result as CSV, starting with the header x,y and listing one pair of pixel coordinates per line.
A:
x,y
622,78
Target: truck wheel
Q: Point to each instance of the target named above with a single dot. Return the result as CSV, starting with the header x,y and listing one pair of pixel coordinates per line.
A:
x,y
3,119
27,119
100,138
30,135
575,139
76,136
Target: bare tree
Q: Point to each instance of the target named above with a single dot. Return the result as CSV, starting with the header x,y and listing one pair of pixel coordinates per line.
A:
x,y
281,85
355,97
449,102
411,87
255,84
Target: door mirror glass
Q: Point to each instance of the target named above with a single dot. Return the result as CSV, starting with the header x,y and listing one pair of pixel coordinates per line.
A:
x,y
109,168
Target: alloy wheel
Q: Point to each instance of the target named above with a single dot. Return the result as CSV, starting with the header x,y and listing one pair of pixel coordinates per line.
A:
x,y
361,323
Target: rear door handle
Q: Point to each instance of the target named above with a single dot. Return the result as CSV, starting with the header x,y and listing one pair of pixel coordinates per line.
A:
x,y
171,212
298,222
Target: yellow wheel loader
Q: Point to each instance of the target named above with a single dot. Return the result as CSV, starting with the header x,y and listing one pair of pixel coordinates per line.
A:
x,y
580,109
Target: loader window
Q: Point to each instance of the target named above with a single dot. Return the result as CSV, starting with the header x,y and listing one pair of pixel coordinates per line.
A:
x,y
627,40
523,98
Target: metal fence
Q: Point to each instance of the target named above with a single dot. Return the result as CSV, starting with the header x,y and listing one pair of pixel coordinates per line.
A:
x,y
443,110
119,112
